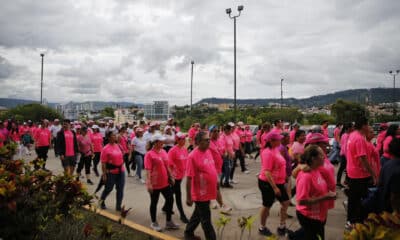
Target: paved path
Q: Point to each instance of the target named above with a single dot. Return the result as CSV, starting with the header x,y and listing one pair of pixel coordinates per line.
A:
x,y
245,198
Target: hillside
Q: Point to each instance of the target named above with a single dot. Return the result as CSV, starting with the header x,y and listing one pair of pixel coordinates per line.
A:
x,y
373,95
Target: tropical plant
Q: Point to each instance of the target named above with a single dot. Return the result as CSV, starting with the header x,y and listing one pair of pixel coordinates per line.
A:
x,y
245,223
221,223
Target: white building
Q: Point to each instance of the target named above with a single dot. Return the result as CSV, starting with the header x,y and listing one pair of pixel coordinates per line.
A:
x,y
158,110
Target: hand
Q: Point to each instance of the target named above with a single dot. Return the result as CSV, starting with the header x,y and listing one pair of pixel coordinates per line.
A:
x,y
331,195
172,181
104,177
305,168
150,189
62,157
277,192
189,202
374,180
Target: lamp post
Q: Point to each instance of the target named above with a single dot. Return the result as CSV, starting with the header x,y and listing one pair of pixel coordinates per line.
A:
x,y
41,81
394,73
281,92
229,12
191,87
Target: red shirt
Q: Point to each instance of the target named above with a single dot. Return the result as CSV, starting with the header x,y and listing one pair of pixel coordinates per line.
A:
x,y
201,168
356,148
42,137
69,143
112,154
123,143
191,134
311,185
97,141
249,135
156,164
177,157
236,141
226,143
373,159
379,140
217,151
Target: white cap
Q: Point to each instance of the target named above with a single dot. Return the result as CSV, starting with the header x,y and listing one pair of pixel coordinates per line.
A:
x,y
95,127
180,135
157,137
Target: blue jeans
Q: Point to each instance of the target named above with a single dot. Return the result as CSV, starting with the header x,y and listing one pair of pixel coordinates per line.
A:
x,y
119,181
139,166
226,170
334,154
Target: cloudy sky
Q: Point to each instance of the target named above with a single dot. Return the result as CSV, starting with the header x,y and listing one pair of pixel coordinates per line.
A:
x,y
140,50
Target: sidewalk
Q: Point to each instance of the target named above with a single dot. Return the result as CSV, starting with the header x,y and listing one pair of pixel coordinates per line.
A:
x,y
245,199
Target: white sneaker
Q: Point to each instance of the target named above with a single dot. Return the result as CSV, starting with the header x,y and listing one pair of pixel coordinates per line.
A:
x,y
171,225
233,181
214,205
226,209
142,180
130,175
155,227
246,172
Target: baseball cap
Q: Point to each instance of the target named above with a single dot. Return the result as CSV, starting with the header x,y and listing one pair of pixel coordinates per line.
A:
x,y
273,136
316,138
157,137
180,135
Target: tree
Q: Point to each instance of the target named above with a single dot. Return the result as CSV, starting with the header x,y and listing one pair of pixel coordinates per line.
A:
x,y
34,111
108,112
346,111
318,118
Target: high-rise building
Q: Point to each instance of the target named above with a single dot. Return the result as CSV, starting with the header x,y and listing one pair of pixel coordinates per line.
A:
x,y
158,110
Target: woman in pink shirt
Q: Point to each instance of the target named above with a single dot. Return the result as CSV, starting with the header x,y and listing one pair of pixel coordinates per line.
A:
x,y
85,148
248,140
344,136
112,164
297,148
123,144
312,193
42,138
373,154
226,142
177,157
159,179
97,141
392,132
271,182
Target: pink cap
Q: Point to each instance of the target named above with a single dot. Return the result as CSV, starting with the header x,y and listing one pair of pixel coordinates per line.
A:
x,y
316,138
273,136
180,135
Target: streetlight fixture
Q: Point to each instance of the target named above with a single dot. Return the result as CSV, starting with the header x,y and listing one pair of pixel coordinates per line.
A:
x,y
281,92
41,81
191,87
394,73
229,12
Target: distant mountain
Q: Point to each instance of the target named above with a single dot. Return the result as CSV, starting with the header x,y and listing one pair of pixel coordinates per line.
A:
x,y
97,105
372,96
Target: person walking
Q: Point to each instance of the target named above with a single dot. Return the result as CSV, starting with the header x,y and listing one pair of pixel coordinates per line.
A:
x,y
42,138
67,147
201,187
85,148
97,141
138,148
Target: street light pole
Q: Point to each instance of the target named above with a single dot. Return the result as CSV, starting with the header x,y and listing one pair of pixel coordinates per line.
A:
x,y
191,87
41,81
281,92
229,11
394,73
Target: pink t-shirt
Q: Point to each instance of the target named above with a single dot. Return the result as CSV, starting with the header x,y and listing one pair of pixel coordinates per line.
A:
x,y
292,135
272,161
177,158
373,159
42,137
386,143
226,142
263,140
311,185
379,140
156,164
192,134
97,141
249,135
201,168
276,130
236,141
217,151
123,143
112,154
258,137
241,134
84,145
325,131
69,143
356,148
336,134
15,136
297,148
343,144
328,173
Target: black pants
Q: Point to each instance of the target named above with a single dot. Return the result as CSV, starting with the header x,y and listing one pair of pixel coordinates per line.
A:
x,y
342,168
42,154
178,196
84,161
240,156
358,189
201,214
169,201
127,163
313,229
96,161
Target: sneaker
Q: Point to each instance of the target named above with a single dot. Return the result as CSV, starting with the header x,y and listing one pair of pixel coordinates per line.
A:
x,y
214,205
282,231
171,225
233,181
264,231
226,209
289,216
118,209
130,175
246,171
89,182
348,226
142,180
156,227
103,205
227,185
192,237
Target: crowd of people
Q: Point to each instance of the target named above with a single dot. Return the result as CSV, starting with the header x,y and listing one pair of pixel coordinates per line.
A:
x,y
297,166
